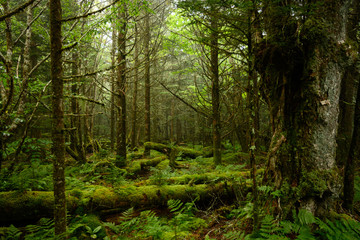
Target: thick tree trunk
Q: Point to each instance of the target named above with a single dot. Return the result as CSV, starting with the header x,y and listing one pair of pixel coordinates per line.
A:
x,y
58,139
302,77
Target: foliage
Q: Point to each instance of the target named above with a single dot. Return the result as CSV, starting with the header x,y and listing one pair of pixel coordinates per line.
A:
x,y
32,176
160,176
304,226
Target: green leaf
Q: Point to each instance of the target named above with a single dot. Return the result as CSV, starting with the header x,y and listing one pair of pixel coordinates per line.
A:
x,y
97,229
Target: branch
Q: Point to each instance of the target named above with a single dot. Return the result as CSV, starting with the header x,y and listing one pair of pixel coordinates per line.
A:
x,y
16,10
28,26
89,14
85,99
182,100
89,73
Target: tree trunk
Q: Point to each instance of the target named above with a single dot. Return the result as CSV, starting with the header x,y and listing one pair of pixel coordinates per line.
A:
x,y
147,81
350,164
215,89
136,79
349,122
121,91
58,147
76,143
302,77
113,74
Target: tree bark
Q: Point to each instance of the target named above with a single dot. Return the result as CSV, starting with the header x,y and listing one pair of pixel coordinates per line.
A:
x,y
349,122
301,77
121,91
113,75
147,81
135,90
58,139
215,88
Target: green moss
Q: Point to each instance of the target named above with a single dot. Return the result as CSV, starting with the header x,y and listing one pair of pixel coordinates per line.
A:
x,y
163,165
316,183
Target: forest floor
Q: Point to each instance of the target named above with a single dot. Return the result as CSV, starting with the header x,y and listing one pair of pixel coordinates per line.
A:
x,y
151,200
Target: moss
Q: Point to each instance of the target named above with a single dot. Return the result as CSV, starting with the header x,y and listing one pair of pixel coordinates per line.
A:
x,y
315,183
163,165
139,165
23,206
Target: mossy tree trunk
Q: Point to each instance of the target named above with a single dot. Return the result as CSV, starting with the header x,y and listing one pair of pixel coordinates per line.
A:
x,y
147,81
215,85
301,76
135,90
113,75
121,90
76,143
58,139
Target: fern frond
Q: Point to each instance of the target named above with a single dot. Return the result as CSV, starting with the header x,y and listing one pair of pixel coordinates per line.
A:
x,y
175,205
13,233
305,217
127,215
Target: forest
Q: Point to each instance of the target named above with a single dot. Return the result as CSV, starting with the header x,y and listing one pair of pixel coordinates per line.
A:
x,y
180,119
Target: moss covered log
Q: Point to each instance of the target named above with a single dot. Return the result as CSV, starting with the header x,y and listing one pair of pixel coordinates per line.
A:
x,y
139,165
205,178
33,205
184,152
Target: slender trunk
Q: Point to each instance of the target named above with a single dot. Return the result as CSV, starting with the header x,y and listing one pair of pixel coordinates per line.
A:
x,y
27,60
113,74
349,122
58,147
7,93
147,81
73,103
350,164
121,81
215,90
136,79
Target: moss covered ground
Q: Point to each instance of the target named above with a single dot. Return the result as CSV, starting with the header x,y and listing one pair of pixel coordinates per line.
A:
x,y
146,200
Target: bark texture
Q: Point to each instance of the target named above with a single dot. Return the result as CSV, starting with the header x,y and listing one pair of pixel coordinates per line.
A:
x,y
215,88
147,81
121,92
58,139
302,74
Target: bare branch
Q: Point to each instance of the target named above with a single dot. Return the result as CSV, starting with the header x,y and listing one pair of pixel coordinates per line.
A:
x,y
89,14
16,10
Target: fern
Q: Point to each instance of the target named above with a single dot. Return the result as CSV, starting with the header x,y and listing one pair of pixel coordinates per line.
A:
x,y
339,229
13,233
175,206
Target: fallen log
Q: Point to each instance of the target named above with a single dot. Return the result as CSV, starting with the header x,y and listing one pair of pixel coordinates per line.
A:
x,y
137,166
184,152
205,178
28,206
